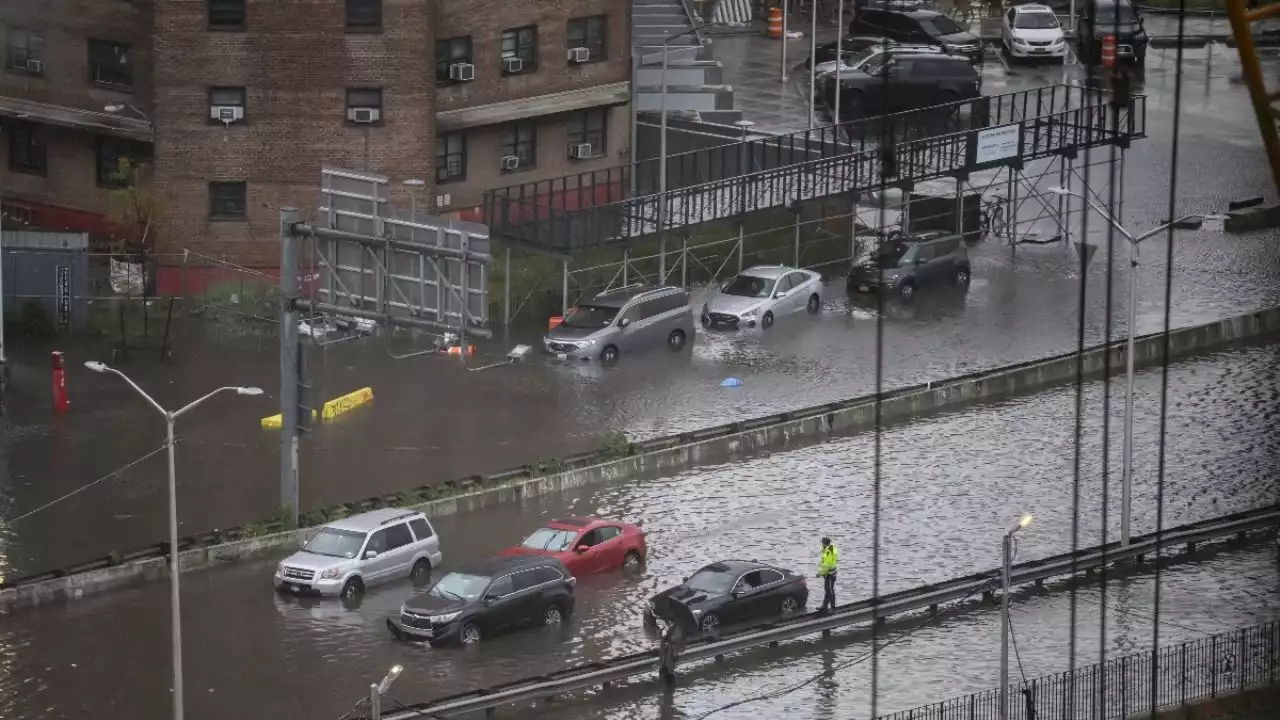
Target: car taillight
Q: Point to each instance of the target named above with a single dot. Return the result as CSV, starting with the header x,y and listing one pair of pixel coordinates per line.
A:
x,y
803,581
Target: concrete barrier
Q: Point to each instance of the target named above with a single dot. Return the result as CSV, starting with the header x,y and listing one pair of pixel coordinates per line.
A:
x,y
713,445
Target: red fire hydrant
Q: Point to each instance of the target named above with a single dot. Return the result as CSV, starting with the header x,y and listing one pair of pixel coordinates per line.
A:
x,y
60,402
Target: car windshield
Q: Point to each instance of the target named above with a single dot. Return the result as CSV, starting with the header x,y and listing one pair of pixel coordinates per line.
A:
x,y
550,539
1036,21
748,286
590,316
1107,14
890,254
862,56
716,582
941,25
460,586
335,543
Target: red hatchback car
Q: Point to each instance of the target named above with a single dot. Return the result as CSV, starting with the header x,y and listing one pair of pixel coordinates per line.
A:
x,y
586,545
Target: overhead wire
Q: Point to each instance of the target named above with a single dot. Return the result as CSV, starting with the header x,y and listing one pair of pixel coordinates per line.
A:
x,y
92,483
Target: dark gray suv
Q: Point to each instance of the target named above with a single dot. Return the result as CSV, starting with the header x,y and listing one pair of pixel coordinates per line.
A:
x,y
904,265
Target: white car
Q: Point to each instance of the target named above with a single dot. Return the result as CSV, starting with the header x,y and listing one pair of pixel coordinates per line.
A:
x,y
1033,31
760,295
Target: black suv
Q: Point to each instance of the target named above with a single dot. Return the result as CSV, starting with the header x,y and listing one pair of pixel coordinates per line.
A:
x,y
918,26
1099,18
487,597
903,265
904,80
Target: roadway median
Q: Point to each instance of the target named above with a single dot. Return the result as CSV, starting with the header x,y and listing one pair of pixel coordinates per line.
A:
x,y
622,460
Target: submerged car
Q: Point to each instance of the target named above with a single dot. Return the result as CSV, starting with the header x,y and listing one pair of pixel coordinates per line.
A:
x,y
736,591
586,545
762,294
1030,32
348,555
486,598
904,265
634,318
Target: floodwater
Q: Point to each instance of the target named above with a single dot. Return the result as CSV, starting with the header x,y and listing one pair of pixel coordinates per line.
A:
x,y
949,485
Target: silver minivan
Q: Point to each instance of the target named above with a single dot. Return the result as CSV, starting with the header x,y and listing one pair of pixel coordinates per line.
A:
x,y
347,556
634,318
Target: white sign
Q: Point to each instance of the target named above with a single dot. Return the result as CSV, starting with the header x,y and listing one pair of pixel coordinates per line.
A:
x,y
998,143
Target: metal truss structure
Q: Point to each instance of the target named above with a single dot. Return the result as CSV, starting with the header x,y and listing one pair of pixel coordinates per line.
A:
x,y
1265,105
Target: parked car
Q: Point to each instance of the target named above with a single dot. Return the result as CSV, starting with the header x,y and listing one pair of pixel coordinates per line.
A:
x,y
1095,19
898,81
586,545
828,79
347,556
848,47
905,265
486,598
918,26
1031,32
627,320
762,294
736,591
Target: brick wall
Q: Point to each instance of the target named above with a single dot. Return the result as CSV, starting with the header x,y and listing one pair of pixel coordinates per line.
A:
x,y
296,61
71,180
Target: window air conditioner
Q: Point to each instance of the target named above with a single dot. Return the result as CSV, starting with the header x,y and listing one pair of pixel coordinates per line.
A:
x,y
226,113
462,72
579,55
510,162
363,115
580,151
513,64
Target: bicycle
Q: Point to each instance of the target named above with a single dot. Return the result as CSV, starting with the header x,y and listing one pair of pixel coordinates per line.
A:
x,y
991,220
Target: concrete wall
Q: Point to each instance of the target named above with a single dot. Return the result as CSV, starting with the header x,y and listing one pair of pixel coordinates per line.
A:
x,y
713,445
1257,704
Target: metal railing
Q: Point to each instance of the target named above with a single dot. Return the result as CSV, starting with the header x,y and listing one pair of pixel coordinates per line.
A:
x,y
1224,664
857,613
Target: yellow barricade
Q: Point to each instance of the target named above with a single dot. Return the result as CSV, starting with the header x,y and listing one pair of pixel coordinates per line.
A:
x,y
331,409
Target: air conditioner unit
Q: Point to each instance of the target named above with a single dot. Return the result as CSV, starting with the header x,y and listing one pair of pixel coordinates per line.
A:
x,y
35,66
579,55
512,64
510,162
580,151
363,115
462,72
226,113
444,201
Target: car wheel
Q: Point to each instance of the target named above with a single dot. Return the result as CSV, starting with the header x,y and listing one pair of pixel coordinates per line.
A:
x,y
552,615
676,341
710,622
631,560
609,355
470,634
353,589
815,304
907,291
421,571
789,606
962,277
767,320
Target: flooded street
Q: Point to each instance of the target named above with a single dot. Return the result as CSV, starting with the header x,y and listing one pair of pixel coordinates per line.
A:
x,y
948,482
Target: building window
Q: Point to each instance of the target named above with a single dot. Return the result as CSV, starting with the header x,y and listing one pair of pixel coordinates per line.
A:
x,y
28,151
364,15
226,105
110,63
110,152
451,157
520,140
589,127
26,51
588,33
364,105
227,200
522,44
226,14
450,52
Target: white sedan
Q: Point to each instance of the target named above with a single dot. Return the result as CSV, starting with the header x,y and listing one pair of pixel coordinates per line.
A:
x,y
760,295
1033,31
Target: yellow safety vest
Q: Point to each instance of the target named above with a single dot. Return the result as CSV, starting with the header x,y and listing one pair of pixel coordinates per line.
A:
x,y
827,561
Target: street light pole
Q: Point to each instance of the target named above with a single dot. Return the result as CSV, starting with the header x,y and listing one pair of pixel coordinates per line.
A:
x,y
1190,222
813,60
174,595
1007,547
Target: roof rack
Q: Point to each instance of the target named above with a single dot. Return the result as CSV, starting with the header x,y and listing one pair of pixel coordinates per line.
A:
x,y
401,516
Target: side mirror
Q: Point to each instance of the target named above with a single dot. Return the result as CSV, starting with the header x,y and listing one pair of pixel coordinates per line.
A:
x,y
370,554
736,593
488,599
582,548
684,579
624,322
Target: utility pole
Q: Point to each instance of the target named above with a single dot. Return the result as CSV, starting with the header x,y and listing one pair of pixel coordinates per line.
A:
x,y
290,360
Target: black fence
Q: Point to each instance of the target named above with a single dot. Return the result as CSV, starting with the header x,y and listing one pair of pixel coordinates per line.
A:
x,y
604,207
1225,664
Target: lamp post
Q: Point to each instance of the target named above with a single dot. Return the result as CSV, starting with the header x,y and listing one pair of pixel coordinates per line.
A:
x,y
174,599
744,169
813,59
662,154
1187,222
1024,521
377,690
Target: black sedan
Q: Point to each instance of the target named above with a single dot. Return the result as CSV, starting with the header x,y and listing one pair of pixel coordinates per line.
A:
x,y
737,591
850,46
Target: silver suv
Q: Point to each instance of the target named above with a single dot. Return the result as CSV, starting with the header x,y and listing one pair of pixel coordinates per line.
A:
x,y
634,318
346,556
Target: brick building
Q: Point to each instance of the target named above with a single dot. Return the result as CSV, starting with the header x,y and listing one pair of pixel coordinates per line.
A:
x,y
237,104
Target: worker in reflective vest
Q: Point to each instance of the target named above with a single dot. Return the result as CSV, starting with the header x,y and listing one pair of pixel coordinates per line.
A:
x,y
827,571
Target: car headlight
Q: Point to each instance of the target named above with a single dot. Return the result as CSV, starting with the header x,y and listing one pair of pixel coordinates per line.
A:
x,y
331,574
280,569
445,618
587,343
749,315
697,613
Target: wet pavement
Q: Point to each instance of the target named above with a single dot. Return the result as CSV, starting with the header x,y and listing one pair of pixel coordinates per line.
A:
x,y
432,421
950,485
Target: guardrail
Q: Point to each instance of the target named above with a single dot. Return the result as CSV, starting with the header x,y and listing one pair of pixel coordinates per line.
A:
x,y
865,611
1228,663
